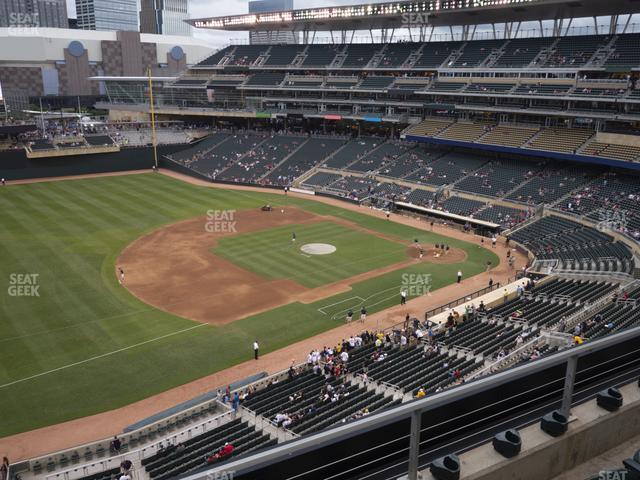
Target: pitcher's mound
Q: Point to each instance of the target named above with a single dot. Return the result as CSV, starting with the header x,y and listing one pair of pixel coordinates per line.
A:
x,y
318,248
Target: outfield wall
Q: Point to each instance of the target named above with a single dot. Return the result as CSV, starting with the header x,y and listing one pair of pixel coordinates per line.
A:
x,y
14,164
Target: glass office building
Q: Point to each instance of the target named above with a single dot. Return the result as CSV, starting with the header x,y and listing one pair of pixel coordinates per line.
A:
x,y
107,15
33,13
165,17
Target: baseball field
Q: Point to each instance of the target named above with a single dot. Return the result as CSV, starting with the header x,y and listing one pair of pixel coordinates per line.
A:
x,y
206,273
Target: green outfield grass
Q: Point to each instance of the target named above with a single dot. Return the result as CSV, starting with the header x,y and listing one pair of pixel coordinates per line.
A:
x,y
84,345
273,253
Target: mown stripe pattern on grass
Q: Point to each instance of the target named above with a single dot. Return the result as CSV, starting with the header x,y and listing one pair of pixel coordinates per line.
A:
x,y
70,234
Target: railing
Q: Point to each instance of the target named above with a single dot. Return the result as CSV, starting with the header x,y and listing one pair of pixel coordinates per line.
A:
x,y
506,360
87,452
282,434
263,382
460,301
136,456
622,367
590,309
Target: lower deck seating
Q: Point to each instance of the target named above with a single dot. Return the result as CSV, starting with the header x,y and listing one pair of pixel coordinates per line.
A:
x,y
549,185
480,337
445,170
421,197
193,454
506,217
611,201
411,368
321,179
461,206
261,158
311,152
411,161
575,246
613,318
311,401
498,177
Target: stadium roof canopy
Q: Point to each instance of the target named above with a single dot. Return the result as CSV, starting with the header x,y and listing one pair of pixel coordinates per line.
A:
x,y
414,13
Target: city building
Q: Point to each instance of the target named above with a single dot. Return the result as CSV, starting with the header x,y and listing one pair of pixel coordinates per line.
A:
x,y
18,14
57,63
107,15
165,17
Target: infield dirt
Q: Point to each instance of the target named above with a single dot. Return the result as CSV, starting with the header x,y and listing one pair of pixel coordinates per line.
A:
x,y
174,269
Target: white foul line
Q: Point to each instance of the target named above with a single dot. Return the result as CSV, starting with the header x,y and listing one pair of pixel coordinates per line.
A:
x,y
100,356
321,310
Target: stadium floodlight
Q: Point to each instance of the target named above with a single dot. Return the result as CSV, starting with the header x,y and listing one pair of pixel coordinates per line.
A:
x,y
364,11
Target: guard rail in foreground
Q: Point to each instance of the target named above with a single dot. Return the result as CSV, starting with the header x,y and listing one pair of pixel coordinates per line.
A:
x,y
407,438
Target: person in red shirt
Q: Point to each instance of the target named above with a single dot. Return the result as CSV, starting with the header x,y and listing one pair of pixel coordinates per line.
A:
x,y
223,453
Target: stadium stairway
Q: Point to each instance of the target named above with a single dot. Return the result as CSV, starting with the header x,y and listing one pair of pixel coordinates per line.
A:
x,y
372,152
244,155
285,159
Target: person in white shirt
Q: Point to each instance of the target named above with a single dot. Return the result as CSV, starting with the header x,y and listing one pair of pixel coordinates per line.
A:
x,y
344,356
255,349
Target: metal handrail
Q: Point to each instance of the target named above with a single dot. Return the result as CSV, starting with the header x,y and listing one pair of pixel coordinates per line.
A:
x,y
498,364
461,300
139,454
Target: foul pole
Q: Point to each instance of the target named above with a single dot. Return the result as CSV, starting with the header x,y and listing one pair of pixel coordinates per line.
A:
x,y
153,121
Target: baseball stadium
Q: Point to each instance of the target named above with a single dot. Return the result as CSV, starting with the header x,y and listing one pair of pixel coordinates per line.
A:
x,y
397,240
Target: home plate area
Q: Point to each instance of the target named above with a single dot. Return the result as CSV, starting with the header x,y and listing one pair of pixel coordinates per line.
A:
x,y
318,248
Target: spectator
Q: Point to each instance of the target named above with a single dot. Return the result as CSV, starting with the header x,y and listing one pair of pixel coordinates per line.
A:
x,y
116,445
125,467
4,469
221,454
